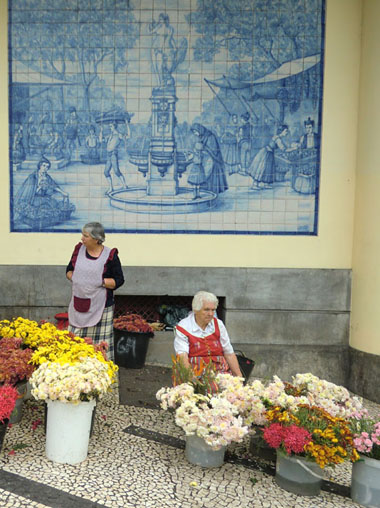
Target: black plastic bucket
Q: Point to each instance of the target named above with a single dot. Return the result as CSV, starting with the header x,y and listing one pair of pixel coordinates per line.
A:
x,y
131,348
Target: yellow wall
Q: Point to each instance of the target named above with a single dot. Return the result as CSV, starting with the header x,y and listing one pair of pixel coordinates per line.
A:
x,y
332,248
365,321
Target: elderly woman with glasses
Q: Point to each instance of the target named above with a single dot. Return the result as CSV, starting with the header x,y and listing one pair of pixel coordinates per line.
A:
x,y
95,272
202,336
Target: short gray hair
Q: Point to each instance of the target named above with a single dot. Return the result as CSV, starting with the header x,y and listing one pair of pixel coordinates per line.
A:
x,y
96,231
203,297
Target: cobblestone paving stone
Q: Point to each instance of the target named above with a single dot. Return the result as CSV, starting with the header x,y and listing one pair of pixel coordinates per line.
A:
x,y
123,470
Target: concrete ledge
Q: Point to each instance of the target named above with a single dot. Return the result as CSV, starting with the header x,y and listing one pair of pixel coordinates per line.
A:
x,y
364,374
244,288
288,327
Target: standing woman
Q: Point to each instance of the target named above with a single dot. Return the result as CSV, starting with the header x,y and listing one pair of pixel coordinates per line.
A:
x,y
95,272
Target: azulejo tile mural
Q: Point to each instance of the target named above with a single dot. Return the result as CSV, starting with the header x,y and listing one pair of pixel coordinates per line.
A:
x,y
172,116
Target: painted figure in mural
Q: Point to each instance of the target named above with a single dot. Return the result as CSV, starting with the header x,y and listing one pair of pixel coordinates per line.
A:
x,y
113,142
36,203
230,148
310,139
95,272
211,159
55,146
262,168
202,336
165,54
71,131
245,142
304,178
92,145
18,150
197,175
163,45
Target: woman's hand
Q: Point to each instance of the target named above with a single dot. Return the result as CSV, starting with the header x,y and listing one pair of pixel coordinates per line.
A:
x,y
233,364
69,275
109,283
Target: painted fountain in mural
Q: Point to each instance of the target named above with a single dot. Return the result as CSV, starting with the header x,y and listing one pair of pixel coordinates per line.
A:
x,y
162,163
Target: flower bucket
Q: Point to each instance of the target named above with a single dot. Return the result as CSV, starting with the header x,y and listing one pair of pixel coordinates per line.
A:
x,y
17,412
131,348
298,475
3,430
68,431
259,448
365,484
198,452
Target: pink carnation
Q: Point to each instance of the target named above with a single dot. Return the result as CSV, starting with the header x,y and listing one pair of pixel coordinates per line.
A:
x,y
295,439
274,435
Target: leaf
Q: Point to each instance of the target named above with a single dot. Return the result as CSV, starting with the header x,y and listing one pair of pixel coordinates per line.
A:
x,y
20,446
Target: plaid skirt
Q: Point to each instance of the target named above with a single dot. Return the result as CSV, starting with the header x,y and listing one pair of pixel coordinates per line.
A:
x,y
103,331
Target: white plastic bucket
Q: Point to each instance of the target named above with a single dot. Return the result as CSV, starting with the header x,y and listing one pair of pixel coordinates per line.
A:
x,y
198,452
365,485
298,475
68,431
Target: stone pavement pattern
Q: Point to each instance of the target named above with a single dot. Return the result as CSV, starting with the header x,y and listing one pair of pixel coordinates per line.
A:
x,y
128,466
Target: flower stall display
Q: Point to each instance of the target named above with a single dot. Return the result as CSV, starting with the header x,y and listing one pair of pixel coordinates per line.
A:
x,y
8,398
70,376
15,363
132,334
70,386
307,439
15,369
132,323
305,389
211,419
84,380
310,390
365,485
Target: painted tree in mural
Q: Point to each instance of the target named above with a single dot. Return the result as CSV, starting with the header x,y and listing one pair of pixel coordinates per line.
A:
x,y
261,36
74,46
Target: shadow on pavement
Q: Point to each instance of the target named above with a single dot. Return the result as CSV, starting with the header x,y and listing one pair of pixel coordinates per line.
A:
x,y
138,387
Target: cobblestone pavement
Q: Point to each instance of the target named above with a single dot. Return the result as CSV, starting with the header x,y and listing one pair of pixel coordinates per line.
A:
x,y
136,459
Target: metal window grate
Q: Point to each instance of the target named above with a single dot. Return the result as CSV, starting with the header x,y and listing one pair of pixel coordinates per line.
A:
x,y
147,306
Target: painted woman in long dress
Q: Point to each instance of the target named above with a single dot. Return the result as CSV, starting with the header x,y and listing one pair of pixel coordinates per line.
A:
x,y
211,160
262,168
230,148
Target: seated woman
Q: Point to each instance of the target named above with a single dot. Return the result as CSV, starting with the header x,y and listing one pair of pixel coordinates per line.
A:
x,y
202,336
40,201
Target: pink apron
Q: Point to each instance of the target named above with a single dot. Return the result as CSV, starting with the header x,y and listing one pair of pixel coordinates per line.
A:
x,y
88,296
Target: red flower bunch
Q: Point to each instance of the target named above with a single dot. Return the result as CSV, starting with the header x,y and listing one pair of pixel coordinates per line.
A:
x,y
14,361
8,397
292,438
132,323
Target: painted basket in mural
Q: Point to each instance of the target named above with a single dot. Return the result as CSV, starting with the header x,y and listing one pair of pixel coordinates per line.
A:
x,y
46,215
302,166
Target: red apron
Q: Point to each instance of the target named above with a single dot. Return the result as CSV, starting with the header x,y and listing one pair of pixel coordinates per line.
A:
x,y
206,348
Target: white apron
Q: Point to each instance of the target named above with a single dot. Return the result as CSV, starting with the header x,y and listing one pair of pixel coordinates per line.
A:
x,y
88,296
